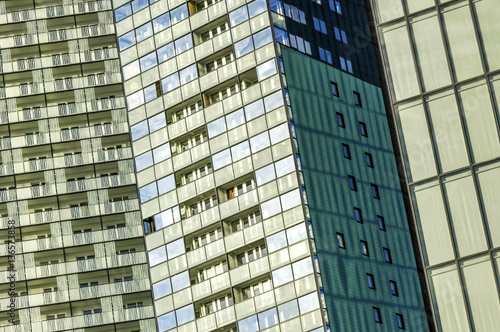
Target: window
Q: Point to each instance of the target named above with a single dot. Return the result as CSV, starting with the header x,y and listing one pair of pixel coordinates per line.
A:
x,y
357,98
381,223
400,321
352,183
340,120
362,129
335,89
375,192
369,159
364,248
387,256
358,215
371,281
394,288
340,240
346,151
376,314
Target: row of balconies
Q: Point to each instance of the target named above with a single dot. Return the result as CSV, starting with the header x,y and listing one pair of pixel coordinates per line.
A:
x,y
62,84
57,60
77,294
57,35
16,14
68,160
70,108
85,238
89,264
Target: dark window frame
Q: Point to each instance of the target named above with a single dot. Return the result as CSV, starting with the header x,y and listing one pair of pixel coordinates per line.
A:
x,y
357,98
387,255
352,183
358,215
369,159
371,281
377,315
364,245
362,129
335,89
340,120
346,151
340,240
394,288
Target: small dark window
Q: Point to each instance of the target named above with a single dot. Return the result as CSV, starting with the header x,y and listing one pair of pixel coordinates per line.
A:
x,y
375,193
381,223
377,315
362,129
357,98
340,120
358,215
369,159
387,255
340,240
364,248
346,151
400,321
335,89
371,281
394,288
352,183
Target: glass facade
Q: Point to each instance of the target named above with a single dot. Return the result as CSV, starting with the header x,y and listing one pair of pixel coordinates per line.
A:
x,y
442,62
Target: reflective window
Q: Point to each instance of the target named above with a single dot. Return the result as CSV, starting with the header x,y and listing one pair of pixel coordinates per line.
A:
x,y
279,133
143,32
254,110
243,47
296,234
288,310
162,288
358,215
179,14
175,248
340,120
216,127
371,281
221,159
259,142
185,314
284,166
157,122
270,208
308,303
375,193
340,240
166,184
281,36
152,92
387,255
290,199
368,159
165,52
266,69
394,288
163,219
139,130
123,12
273,101
139,4
235,119
143,161
276,241
161,22
148,61
161,153
255,8
362,129
346,151
265,174
126,40
377,315
188,74
180,281
302,268
183,44
268,318
352,183
148,192
400,321
157,256
237,16
381,223
170,83
282,276
134,100
131,70
240,151
167,321
249,324
262,38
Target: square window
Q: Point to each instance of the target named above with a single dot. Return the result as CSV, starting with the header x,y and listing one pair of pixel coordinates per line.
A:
x,y
400,321
357,98
340,120
364,248
335,88
375,192
358,215
362,129
381,223
394,288
369,159
387,256
346,151
377,315
371,281
352,183
340,240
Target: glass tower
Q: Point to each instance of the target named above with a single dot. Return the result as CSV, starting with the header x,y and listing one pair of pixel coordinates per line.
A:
x,y
442,61
75,258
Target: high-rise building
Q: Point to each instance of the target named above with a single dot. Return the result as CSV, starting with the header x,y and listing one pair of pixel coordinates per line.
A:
x,y
67,181
219,165
265,168
441,60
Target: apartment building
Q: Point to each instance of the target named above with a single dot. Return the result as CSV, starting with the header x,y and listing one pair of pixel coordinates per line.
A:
x,y
67,174
267,180
441,63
